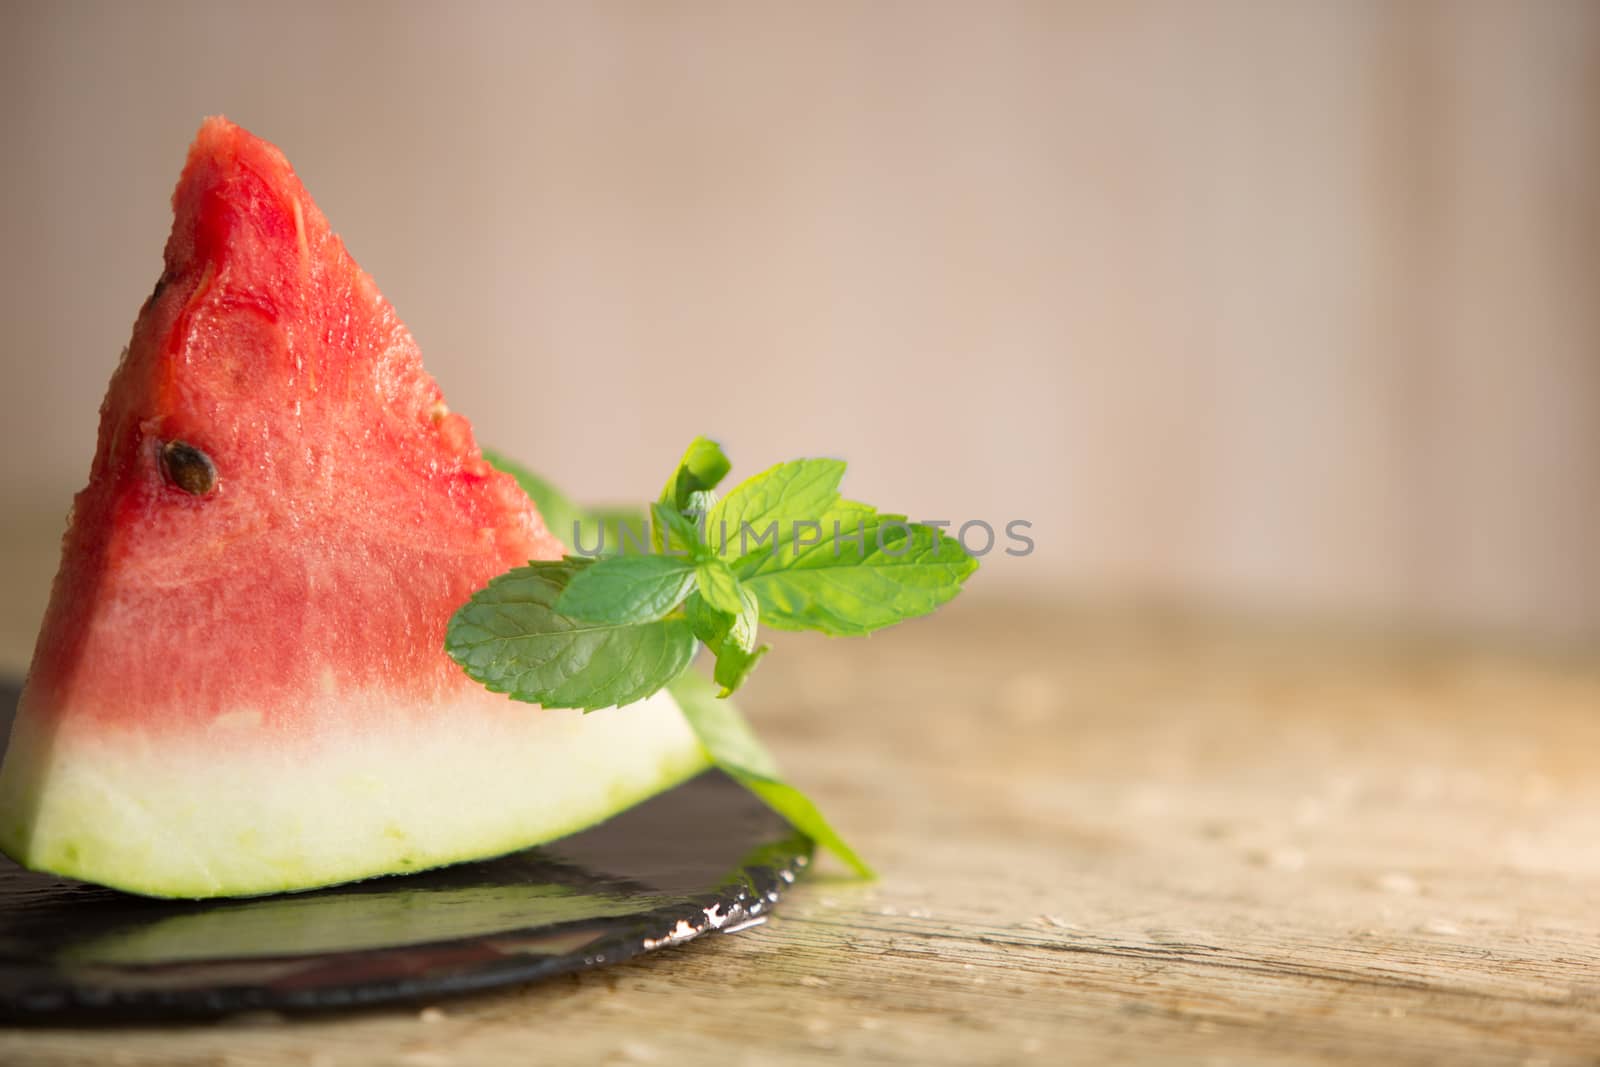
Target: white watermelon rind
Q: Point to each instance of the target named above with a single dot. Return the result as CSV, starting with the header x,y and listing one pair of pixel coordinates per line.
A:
x,y
235,809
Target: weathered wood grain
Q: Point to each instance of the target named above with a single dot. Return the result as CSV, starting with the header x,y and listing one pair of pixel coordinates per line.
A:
x,y
1103,840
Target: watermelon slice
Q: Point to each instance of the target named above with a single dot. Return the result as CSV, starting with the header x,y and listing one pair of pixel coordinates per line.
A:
x,y
240,684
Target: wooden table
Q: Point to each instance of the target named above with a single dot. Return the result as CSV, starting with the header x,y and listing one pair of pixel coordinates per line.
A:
x,y
1103,839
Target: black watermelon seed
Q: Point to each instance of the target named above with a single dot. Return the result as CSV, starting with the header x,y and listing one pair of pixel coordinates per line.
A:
x,y
188,468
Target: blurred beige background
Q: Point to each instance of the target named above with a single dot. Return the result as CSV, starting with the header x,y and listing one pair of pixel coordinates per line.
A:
x,y
1283,306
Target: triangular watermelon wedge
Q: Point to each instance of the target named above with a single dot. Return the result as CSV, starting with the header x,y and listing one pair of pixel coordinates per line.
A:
x,y
240,685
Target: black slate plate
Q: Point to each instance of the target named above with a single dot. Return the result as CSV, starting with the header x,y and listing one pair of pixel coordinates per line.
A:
x,y
705,856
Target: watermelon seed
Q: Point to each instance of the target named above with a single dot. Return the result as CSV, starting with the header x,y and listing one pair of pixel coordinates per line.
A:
x,y
188,468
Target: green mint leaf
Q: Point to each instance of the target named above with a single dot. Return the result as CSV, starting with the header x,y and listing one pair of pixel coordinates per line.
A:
x,y
705,621
862,575
683,537
733,747
715,627
720,587
734,665
627,589
731,636
703,466
742,634
744,621
511,638
768,504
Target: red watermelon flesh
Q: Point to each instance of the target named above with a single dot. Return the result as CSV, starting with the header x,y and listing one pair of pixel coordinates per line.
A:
x,y
240,684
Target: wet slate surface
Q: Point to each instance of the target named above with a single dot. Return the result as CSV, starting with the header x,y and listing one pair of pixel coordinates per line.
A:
x,y
705,856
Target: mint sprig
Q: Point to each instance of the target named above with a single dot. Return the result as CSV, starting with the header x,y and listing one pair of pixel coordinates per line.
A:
x,y
782,548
